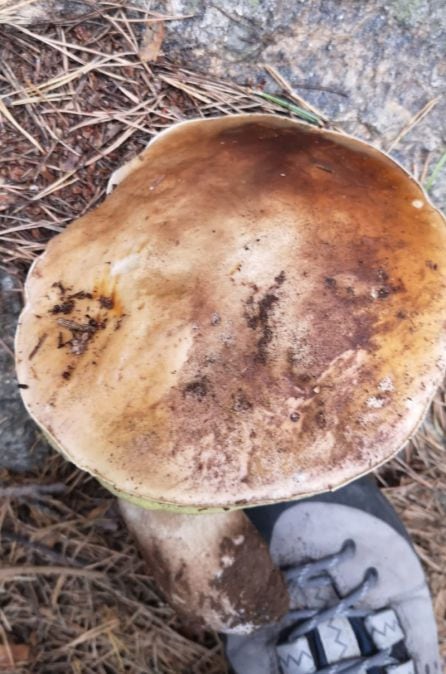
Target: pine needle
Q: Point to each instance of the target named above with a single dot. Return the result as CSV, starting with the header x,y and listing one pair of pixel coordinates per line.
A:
x,y
291,107
5,112
430,182
412,123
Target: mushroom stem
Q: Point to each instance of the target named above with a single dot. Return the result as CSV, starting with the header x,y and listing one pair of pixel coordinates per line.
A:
x,y
214,569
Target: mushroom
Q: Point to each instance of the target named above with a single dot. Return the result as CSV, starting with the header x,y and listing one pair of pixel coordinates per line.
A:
x,y
255,314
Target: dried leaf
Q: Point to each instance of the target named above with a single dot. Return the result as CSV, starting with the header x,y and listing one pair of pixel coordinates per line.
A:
x,y
151,41
13,654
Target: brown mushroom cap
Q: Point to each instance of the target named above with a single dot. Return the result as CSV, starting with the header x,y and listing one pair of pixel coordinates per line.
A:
x,y
256,313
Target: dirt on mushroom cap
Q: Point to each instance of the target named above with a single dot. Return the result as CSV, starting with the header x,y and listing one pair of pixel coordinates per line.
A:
x,y
268,308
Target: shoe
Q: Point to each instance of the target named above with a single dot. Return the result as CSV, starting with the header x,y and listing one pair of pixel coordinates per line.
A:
x,y
358,596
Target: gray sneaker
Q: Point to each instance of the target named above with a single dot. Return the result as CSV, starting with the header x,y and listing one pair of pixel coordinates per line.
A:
x,y
359,599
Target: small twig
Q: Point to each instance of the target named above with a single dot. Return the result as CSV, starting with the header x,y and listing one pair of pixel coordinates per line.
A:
x,y
286,86
116,143
6,347
241,20
291,107
75,20
423,175
416,119
15,572
33,490
39,548
75,327
319,87
430,182
40,341
58,184
91,634
427,560
158,19
6,646
413,474
5,112
184,87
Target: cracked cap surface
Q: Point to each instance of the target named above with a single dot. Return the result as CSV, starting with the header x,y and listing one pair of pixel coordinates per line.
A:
x,y
256,313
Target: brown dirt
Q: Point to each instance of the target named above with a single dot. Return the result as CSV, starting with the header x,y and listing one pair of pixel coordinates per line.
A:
x,y
263,598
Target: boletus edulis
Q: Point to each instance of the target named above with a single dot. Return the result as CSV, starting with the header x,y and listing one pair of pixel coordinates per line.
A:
x,y
256,313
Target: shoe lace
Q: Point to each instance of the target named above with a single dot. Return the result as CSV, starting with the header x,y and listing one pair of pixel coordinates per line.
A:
x,y
316,574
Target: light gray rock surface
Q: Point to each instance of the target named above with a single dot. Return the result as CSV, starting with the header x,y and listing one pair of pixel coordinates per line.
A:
x,y
387,58
21,446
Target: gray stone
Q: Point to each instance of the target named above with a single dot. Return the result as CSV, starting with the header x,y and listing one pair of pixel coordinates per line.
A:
x,y
21,446
388,58
43,11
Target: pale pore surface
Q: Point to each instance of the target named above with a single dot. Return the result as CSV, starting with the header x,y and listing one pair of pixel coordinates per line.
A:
x,y
270,302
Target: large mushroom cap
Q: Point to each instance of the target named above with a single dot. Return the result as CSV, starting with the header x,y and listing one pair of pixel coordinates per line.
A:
x,y
256,313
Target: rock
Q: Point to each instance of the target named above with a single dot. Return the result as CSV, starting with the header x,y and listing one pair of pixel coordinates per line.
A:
x,y
42,11
380,62
21,447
